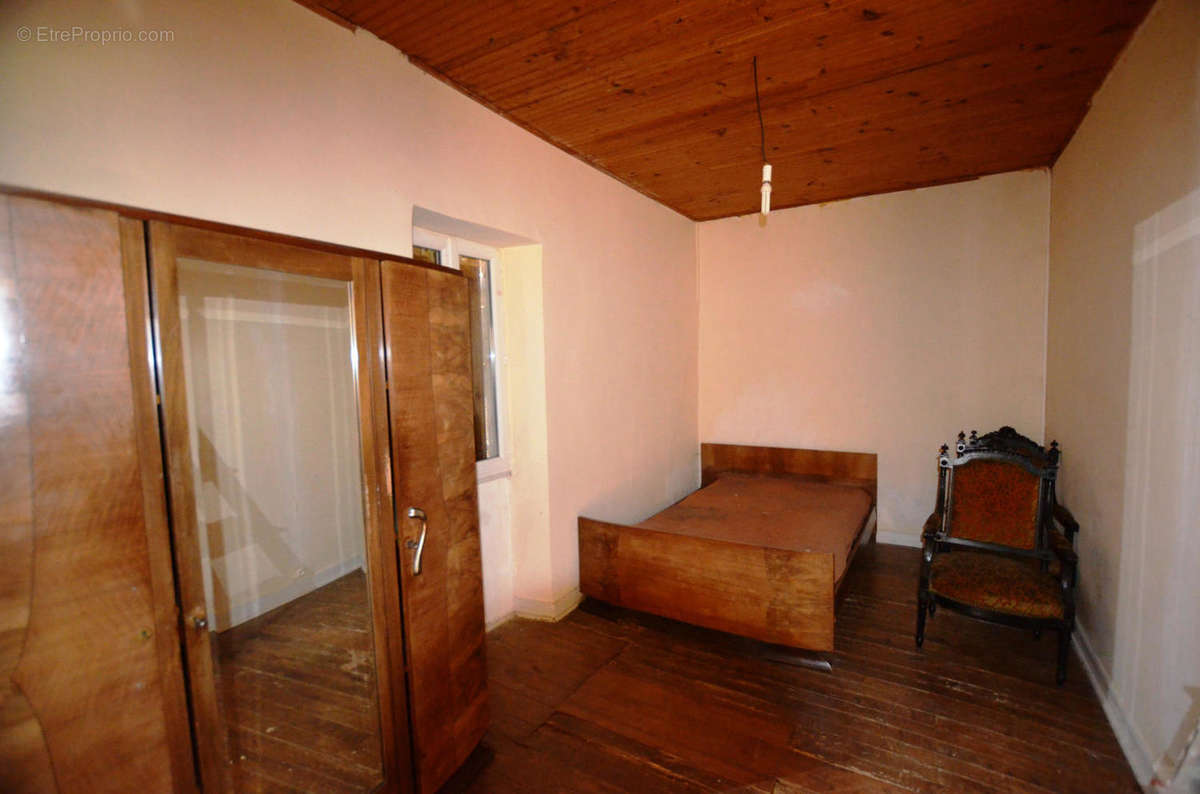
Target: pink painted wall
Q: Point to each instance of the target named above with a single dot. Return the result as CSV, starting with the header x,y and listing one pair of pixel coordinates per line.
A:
x,y
263,114
1123,390
882,324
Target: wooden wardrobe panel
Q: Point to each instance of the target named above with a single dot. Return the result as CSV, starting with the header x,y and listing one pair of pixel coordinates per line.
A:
x,y
24,759
433,459
385,588
154,494
212,746
192,242
87,665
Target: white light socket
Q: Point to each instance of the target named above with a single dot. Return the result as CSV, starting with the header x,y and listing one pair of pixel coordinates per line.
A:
x,y
766,189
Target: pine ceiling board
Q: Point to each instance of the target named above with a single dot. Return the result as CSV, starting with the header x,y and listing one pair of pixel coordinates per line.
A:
x,y
829,175
454,33
824,173
707,81
942,122
373,13
930,95
890,174
857,45
816,176
845,156
856,50
638,44
859,96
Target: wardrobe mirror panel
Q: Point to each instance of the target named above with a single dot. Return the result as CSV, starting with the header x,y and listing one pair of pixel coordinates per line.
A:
x,y
273,433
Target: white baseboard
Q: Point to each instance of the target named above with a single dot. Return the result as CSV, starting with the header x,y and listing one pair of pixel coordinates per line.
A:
x,y
551,611
898,538
492,625
240,613
1127,736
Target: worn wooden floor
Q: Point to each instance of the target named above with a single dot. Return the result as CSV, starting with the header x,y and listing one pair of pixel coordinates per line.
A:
x,y
297,688
610,701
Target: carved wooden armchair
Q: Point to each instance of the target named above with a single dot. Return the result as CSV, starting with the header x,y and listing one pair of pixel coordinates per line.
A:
x,y
992,549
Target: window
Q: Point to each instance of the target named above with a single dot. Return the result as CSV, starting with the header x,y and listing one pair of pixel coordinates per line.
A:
x,y
422,253
480,264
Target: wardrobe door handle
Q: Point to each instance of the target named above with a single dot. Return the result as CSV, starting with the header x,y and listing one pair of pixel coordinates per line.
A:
x,y
418,545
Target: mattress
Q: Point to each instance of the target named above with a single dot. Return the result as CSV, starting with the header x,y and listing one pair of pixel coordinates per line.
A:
x,y
772,512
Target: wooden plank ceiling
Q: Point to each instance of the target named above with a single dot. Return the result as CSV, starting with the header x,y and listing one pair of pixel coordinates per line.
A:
x,y
857,97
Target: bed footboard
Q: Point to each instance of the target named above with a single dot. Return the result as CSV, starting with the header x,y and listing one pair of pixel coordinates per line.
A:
x,y
773,595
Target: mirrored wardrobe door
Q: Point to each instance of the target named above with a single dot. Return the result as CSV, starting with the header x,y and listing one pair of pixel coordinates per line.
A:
x,y
268,360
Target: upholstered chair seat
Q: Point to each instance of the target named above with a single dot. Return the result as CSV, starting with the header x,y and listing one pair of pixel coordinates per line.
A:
x,y
998,584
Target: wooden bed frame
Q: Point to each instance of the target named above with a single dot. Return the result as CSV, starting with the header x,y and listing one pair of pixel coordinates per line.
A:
x,y
774,595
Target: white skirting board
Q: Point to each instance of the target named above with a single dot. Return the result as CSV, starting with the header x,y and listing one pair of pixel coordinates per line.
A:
x,y
535,609
1127,736
240,613
552,611
492,625
912,539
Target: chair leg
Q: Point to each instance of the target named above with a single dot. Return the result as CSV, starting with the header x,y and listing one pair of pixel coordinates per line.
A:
x,y
1064,650
922,608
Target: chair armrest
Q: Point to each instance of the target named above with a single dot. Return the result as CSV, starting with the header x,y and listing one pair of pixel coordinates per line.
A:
x,y
1063,516
1067,558
929,546
933,525
1062,548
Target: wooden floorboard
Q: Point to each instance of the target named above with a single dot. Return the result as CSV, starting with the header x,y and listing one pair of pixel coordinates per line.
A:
x,y
298,690
614,701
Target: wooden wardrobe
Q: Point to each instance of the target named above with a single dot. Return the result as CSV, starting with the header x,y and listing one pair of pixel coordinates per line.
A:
x,y
109,657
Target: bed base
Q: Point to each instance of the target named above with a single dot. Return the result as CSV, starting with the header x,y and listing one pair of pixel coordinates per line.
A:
x,y
774,595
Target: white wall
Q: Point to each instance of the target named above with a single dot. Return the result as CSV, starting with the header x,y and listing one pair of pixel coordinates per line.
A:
x,y
263,114
525,385
882,324
1123,390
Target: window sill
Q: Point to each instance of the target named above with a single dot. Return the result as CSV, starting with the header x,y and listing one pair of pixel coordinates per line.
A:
x,y
491,469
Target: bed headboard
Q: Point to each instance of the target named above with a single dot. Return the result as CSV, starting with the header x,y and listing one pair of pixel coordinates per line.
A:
x,y
852,468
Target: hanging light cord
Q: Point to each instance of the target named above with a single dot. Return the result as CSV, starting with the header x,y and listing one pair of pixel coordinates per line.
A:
x,y
762,131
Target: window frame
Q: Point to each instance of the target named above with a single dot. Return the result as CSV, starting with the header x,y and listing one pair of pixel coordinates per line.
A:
x,y
450,248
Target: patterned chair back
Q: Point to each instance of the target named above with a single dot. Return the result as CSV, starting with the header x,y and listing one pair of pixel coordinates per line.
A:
x,y
997,490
